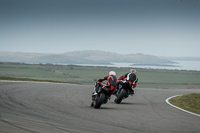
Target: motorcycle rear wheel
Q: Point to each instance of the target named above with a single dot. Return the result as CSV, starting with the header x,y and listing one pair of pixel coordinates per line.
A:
x,y
119,98
100,100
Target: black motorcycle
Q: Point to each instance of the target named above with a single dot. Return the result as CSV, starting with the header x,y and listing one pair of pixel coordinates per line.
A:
x,y
123,91
102,97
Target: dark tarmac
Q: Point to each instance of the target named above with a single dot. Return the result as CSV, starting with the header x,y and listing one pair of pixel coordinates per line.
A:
x,y
33,107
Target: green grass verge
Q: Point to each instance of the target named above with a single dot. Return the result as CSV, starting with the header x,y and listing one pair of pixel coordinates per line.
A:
x,y
28,79
154,78
189,102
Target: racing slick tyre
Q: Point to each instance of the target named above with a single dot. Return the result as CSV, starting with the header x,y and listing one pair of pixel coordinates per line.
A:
x,y
100,100
119,98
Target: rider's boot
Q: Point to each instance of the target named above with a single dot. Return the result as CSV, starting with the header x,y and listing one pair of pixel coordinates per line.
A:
x,y
94,94
92,104
132,92
93,98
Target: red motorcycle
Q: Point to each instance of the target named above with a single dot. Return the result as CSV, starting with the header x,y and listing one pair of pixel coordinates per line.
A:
x,y
102,97
123,91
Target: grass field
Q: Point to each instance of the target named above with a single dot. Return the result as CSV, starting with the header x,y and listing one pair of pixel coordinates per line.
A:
x,y
189,102
88,75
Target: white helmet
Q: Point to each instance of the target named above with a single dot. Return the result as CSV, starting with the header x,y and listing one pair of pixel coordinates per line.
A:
x,y
112,73
133,71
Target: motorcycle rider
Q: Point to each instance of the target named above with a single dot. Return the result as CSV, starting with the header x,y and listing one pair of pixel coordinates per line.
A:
x,y
132,79
111,83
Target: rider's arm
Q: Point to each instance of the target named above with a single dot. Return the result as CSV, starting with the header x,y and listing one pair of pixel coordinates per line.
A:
x,y
122,77
102,79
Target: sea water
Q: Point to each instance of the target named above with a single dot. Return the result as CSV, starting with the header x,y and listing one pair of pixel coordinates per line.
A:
x,y
181,65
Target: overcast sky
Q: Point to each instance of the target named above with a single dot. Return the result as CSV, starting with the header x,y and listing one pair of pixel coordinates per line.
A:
x,y
156,27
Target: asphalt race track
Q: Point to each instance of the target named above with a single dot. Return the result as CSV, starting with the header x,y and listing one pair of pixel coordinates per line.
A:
x,y
27,107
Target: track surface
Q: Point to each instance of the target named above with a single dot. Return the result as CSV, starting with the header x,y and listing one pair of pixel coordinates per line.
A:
x,y
27,107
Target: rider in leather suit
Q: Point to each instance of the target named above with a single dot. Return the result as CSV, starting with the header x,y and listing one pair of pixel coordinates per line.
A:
x,y
111,83
132,79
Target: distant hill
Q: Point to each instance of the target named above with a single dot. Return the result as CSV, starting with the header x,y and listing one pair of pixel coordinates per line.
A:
x,y
44,58
81,57
182,58
114,57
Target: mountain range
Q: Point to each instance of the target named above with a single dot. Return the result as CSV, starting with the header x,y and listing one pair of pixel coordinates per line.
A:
x,y
81,57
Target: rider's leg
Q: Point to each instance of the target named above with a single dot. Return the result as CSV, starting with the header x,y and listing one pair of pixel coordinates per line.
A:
x,y
96,89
